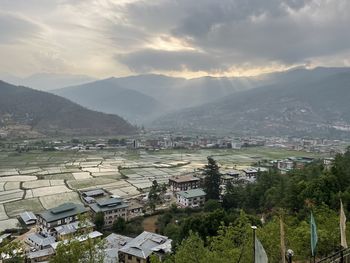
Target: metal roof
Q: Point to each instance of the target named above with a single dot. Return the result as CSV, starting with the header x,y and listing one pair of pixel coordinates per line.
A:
x,y
93,193
144,244
108,204
62,211
192,193
41,253
28,217
41,240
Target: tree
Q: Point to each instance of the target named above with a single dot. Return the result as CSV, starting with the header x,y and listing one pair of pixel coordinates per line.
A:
x,y
155,194
12,250
212,180
211,205
119,225
99,221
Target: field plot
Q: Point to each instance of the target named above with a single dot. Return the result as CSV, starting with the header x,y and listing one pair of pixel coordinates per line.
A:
x,y
36,184
11,195
8,172
51,190
15,208
81,175
50,201
8,224
60,176
11,186
92,182
18,178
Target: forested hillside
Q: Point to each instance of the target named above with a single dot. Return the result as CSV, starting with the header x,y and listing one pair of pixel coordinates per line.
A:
x,y
222,232
52,115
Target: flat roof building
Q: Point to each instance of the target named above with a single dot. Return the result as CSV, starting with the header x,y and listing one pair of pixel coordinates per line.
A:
x,y
112,208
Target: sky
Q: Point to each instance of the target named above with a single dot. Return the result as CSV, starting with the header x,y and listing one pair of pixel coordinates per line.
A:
x,y
188,38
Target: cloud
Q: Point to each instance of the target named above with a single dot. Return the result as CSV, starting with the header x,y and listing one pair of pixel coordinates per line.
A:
x,y
149,60
105,37
14,28
241,32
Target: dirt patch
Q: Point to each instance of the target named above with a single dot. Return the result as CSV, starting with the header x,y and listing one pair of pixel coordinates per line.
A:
x,y
149,224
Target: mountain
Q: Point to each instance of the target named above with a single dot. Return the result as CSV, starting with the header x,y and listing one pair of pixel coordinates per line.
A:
x,y
52,115
144,97
310,102
107,96
48,81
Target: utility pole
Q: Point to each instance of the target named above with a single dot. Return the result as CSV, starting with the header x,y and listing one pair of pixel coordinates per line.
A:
x,y
254,236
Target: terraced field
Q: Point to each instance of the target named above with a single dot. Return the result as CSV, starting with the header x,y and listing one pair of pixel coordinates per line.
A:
x,y
34,181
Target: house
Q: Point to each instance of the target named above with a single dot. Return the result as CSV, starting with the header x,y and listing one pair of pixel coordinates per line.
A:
x,y
182,183
28,218
285,165
225,179
112,208
191,198
60,215
65,232
250,172
143,246
40,242
42,255
112,244
135,210
90,195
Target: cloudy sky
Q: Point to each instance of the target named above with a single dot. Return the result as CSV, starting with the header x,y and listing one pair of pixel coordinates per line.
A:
x,y
186,38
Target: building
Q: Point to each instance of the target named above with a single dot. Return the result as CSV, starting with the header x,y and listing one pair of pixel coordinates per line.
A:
x,y
42,255
65,232
250,172
225,179
134,210
40,242
112,208
183,183
89,196
60,215
28,218
112,244
143,246
191,198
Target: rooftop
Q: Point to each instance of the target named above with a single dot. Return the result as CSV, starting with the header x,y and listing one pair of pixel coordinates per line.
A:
x,y
28,217
192,193
95,192
108,204
62,211
183,179
146,243
41,240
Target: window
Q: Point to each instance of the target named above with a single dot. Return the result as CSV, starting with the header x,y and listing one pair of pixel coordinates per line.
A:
x,y
129,257
138,260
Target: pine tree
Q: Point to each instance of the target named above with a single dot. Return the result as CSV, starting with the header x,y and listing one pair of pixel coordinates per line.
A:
x,y
212,180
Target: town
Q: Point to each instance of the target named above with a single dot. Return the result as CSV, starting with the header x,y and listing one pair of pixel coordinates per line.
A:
x,y
81,190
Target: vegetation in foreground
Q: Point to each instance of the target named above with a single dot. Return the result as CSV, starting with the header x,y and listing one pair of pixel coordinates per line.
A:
x,y
222,232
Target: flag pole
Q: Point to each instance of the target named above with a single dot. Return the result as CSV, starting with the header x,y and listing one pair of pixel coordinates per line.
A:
x,y
254,236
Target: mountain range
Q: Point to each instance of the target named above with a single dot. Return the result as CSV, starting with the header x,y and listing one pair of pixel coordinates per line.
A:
x,y
300,102
143,98
49,114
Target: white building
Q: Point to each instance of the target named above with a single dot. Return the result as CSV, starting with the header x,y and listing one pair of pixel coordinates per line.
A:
x,y
191,198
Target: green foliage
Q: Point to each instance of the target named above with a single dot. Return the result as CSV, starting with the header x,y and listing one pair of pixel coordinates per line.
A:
x,y
211,205
156,194
212,180
90,251
99,221
217,235
119,225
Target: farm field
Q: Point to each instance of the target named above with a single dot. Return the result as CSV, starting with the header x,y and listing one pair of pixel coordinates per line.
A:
x,y
34,181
